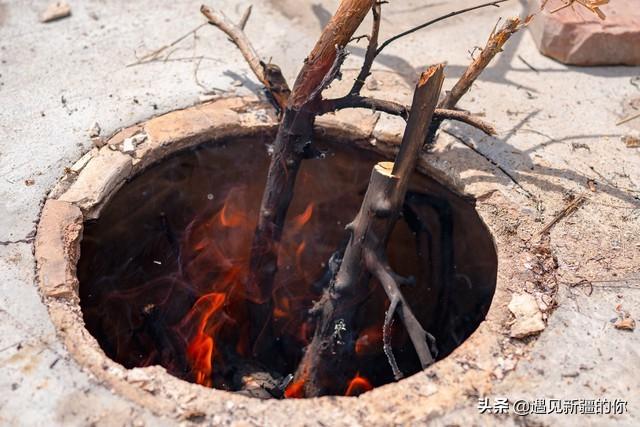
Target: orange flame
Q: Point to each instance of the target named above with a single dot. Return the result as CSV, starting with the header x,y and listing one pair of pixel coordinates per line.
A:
x,y
215,258
201,349
304,217
299,252
230,219
358,385
282,308
295,390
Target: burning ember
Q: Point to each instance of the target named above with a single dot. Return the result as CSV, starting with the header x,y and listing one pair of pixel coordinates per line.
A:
x,y
357,386
165,277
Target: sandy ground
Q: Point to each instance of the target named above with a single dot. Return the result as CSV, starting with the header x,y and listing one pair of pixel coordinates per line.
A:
x,y
557,137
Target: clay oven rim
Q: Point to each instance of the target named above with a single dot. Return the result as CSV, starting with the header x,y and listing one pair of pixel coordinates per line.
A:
x,y
90,182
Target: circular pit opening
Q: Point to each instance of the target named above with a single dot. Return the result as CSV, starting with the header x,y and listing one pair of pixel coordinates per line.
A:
x,y
163,271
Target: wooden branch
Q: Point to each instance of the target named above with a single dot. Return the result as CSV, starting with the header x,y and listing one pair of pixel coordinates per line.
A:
x,y
370,231
568,210
427,92
337,33
269,75
356,101
239,38
396,109
386,334
370,55
494,45
464,117
424,104
381,270
290,147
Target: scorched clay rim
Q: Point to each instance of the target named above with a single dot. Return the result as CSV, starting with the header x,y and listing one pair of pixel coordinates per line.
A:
x,y
470,370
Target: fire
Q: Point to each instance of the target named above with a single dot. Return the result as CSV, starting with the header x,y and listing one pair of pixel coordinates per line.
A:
x,y
357,386
216,252
299,252
197,310
234,219
304,217
282,308
209,341
295,390
201,349
369,341
200,353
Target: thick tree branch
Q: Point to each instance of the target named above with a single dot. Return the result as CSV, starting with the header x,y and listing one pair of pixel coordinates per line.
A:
x,y
370,231
336,34
269,75
396,109
290,147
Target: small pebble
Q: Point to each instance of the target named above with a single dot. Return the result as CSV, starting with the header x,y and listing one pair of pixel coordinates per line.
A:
x,y
56,10
94,131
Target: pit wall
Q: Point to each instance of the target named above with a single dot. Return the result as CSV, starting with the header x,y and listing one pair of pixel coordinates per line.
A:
x,y
472,369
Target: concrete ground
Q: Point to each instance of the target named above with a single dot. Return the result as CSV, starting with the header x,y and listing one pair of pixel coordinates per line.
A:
x,y
557,136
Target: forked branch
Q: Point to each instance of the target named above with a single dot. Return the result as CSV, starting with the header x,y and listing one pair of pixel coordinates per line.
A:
x,y
291,144
419,337
365,255
269,75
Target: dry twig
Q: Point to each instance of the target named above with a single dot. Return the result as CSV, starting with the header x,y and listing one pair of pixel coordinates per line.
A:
x,y
592,5
568,210
156,54
269,75
434,21
245,18
396,109
628,119
370,55
494,45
